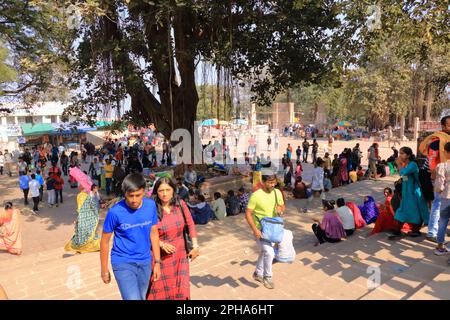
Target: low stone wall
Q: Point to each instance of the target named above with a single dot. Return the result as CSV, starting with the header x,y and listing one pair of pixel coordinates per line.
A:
x,y
224,184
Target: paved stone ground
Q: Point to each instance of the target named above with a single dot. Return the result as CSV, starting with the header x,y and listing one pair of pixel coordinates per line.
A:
x,y
408,268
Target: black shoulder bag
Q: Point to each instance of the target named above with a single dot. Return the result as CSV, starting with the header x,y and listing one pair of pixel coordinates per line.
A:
x,y
187,237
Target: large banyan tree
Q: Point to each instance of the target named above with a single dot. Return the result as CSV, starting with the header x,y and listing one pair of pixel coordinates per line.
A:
x,y
147,52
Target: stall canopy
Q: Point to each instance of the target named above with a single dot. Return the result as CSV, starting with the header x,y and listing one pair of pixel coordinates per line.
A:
x,y
343,124
240,122
209,122
30,129
67,128
102,123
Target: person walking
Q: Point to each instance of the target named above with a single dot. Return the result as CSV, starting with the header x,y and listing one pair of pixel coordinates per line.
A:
x,y
413,210
433,147
51,196
136,249
173,217
24,181
442,186
64,161
2,162
8,162
265,202
109,169
59,185
373,158
35,187
305,146
269,142
85,238
298,152
41,183
315,150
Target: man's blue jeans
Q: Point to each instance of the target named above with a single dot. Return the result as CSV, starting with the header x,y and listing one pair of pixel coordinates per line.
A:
x,y
133,279
434,216
444,216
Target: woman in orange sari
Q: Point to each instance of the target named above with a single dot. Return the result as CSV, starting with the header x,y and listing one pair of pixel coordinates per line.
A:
x,y
385,220
11,229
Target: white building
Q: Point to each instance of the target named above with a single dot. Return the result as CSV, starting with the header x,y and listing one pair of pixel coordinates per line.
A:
x,y
10,122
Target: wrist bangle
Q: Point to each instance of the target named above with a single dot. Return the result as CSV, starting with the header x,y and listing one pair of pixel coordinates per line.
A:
x,y
157,261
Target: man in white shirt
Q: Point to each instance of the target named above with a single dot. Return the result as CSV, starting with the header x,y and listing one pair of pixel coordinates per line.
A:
x,y
34,187
61,149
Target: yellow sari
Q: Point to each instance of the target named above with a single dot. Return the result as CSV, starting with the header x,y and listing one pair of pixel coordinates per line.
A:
x,y
85,238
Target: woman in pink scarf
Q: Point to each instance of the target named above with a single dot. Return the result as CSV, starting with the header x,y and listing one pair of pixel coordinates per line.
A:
x,y
359,221
11,229
331,228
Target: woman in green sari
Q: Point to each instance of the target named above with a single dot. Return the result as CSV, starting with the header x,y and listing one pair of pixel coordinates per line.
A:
x,y
86,238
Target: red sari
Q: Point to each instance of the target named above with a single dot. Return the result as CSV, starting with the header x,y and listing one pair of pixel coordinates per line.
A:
x,y
174,283
385,220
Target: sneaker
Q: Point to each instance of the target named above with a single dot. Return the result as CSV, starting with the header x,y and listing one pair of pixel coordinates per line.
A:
x,y
257,278
431,239
441,251
268,283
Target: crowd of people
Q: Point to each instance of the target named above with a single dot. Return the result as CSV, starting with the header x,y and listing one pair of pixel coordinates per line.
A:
x,y
154,229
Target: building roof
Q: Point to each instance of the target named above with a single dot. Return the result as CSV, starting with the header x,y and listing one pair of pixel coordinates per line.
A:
x,y
38,109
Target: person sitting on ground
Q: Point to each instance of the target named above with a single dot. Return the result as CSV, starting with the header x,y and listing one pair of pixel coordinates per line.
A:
x,y
331,228
357,217
385,220
218,206
232,203
182,190
327,185
369,210
201,211
11,229
353,175
190,176
346,215
299,190
360,173
285,251
243,199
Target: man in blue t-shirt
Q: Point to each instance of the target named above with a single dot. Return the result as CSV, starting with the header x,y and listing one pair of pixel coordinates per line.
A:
x,y
134,224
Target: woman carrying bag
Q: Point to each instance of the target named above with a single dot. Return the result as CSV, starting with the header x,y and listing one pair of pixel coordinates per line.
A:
x,y
173,216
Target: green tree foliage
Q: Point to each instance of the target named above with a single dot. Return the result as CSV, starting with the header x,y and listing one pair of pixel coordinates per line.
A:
x,y
127,47
38,41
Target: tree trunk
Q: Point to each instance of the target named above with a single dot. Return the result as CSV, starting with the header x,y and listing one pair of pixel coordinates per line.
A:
x,y
428,101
